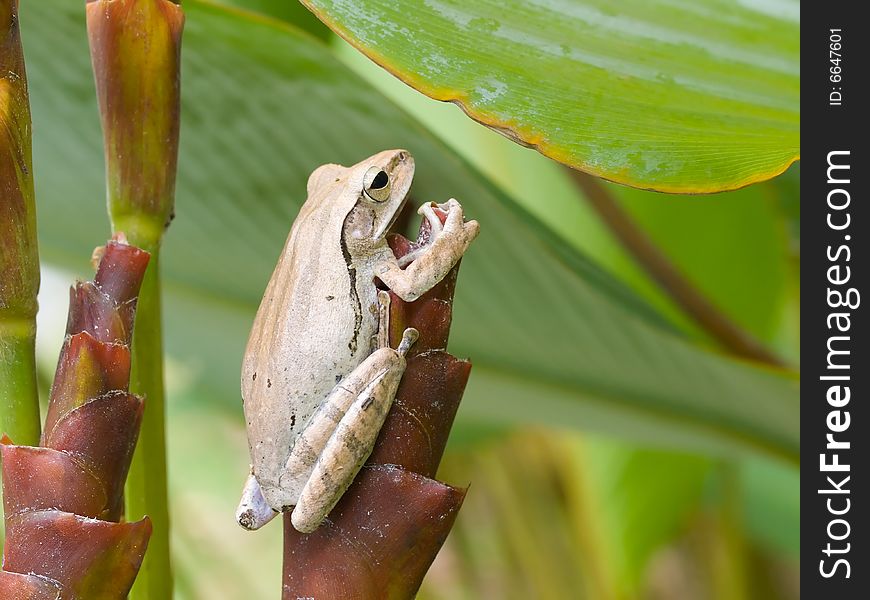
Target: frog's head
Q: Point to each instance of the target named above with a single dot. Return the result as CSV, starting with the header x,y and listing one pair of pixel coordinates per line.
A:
x,y
380,185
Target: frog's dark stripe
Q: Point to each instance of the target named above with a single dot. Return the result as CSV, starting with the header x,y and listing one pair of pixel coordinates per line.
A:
x,y
354,294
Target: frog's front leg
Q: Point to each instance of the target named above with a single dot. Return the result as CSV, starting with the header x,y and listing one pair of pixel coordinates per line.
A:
x,y
434,261
352,438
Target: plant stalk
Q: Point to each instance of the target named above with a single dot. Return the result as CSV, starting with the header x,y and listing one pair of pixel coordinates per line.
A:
x,y
19,260
19,405
146,492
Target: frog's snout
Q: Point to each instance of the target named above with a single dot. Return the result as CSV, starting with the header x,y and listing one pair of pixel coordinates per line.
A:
x,y
403,156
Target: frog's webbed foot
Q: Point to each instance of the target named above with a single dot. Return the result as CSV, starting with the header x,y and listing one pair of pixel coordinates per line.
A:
x,y
253,511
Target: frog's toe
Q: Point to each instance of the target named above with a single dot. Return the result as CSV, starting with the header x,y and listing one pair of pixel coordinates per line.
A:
x,y
409,336
253,511
428,211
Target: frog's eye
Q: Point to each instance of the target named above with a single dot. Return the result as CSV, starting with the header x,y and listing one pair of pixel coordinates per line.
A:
x,y
376,184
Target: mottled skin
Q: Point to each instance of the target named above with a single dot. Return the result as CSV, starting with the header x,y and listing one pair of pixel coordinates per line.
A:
x,y
316,325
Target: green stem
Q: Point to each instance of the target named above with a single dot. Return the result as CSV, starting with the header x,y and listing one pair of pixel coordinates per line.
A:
x,y
19,405
19,260
146,491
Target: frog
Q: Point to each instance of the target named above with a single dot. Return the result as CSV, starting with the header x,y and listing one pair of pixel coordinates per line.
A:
x,y
318,374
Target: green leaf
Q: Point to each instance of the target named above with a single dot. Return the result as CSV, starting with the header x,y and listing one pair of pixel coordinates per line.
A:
x,y
554,339
285,10
682,96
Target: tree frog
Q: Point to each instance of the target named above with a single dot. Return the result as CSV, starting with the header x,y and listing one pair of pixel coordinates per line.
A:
x,y
318,376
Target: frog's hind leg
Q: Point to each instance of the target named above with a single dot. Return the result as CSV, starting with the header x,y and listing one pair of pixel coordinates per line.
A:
x,y
253,511
311,441
353,438
313,438
341,434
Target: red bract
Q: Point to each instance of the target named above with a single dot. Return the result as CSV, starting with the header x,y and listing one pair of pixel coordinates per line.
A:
x,y
63,500
383,535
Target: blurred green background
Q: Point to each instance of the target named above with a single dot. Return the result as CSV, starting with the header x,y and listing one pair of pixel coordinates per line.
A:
x,y
567,499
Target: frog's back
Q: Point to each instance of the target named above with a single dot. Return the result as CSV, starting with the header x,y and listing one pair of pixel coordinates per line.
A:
x,y
305,337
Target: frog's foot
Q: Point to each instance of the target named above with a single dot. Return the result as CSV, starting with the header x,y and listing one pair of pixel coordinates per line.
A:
x,y
253,511
409,336
435,227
